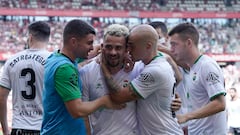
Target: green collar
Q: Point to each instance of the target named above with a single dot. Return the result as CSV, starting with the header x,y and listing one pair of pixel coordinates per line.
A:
x,y
198,59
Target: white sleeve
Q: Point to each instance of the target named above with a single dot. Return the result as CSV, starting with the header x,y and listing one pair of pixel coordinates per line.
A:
x,y
212,78
5,77
147,82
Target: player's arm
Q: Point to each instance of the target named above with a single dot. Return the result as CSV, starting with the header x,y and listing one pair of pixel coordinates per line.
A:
x,y
67,86
78,108
214,106
177,73
3,111
118,94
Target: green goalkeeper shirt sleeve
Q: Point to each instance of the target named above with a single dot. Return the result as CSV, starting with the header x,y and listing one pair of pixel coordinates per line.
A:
x,y
66,82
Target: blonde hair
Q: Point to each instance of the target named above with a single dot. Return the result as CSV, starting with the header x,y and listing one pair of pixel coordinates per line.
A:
x,y
116,30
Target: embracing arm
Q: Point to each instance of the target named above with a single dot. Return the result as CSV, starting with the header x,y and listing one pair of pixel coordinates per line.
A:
x,y
118,94
78,108
177,73
215,106
67,86
3,111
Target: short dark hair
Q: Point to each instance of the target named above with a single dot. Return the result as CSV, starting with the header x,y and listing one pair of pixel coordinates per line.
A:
x,y
78,28
161,25
186,30
40,30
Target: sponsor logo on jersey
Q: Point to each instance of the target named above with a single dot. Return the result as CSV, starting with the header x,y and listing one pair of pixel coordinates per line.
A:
x,y
194,76
74,79
146,78
99,86
212,78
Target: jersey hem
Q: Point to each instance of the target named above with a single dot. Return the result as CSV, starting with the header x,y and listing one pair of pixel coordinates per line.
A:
x,y
135,91
213,97
5,87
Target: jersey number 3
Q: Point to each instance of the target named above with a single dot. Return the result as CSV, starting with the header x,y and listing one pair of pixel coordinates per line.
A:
x,y
30,83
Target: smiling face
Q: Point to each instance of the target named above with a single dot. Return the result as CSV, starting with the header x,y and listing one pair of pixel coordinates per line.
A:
x,y
114,49
84,45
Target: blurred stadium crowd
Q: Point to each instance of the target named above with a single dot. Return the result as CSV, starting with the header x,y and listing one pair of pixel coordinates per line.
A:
x,y
140,5
215,37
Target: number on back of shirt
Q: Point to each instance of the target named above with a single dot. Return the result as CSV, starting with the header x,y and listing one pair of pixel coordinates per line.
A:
x,y
31,93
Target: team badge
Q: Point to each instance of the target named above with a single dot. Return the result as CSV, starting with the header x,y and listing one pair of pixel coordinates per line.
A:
x,y
125,83
194,76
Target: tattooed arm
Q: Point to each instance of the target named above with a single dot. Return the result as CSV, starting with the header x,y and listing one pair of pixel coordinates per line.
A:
x,y
118,94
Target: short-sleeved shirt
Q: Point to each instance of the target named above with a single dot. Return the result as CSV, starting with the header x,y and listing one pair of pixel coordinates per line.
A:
x,y
61,84
155,85
108,121
23,74
206,82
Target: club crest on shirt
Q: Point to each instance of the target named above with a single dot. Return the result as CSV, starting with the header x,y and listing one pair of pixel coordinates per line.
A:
x,y
194,76
213,78
125,83
146,77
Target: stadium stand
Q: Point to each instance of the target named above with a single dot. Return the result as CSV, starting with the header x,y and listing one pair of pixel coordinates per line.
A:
x,y
144,5
215,37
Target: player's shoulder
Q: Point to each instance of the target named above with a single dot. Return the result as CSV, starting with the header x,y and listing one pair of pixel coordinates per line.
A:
x,y
91,66
14,56
207,61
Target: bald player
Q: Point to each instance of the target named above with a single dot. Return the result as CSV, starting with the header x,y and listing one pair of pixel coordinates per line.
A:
x,y
153,88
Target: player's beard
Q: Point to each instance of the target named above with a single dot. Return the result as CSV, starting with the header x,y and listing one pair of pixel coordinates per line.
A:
x,y
113,63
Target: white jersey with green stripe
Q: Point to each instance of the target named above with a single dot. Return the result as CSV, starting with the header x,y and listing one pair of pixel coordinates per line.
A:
x,y
23,74
206,82
108,121
155,85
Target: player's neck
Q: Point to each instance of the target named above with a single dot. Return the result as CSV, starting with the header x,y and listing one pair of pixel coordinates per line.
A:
x,y
194,57
150,58
66,52
38,45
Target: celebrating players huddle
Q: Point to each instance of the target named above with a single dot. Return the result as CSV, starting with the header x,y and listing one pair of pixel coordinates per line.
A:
x,y
128,88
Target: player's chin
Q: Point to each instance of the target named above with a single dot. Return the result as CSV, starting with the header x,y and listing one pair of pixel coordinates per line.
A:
x,y
114,63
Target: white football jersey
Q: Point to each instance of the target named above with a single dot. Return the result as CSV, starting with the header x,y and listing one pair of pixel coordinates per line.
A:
x,y
108,121
155,85
206,81
182,91
23,74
